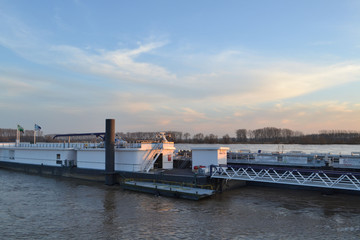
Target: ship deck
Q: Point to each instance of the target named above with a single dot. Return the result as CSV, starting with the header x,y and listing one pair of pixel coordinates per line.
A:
x,y
168,189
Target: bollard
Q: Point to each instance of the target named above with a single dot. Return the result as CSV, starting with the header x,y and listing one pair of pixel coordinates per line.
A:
x,y
110,152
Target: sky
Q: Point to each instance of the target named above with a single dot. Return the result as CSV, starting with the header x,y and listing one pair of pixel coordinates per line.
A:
x,y
193,66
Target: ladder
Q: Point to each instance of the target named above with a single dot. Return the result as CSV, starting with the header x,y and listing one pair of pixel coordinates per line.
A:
x,y
152,156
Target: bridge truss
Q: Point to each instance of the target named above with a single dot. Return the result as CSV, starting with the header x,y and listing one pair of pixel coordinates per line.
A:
x,y
291,176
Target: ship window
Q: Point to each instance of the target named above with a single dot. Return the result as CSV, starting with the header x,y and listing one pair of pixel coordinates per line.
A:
x,y
11,154
58,156
58,162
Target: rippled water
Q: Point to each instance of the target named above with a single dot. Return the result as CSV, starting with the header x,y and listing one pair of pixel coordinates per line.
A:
x,y
36,207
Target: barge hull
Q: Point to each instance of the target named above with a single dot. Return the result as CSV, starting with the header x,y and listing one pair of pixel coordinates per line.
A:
x,y
99,175
168,190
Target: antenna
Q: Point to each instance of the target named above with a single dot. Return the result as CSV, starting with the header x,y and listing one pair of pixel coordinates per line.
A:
x,y
162,136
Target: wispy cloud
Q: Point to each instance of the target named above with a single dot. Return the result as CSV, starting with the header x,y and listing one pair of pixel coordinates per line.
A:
x,y
228,89
18,36
307,117
190,115
119,64
322,43
272,81
232,77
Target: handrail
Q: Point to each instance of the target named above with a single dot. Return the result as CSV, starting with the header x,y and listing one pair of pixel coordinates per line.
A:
x,y
153,162
292,176
146,166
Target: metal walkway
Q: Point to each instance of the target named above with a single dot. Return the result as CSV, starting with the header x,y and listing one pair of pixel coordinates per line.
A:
x,y
168,189
300,177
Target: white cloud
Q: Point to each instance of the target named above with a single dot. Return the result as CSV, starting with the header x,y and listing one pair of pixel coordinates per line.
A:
x,y
190,115
336,107
322,43
232,77
119,64
279,81
227,90
307,117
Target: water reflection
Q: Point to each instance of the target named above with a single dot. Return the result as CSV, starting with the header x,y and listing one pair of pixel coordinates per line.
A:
x,y
109,207
34,207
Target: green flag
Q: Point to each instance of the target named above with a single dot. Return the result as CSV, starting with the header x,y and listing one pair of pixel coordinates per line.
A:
x,y
20,128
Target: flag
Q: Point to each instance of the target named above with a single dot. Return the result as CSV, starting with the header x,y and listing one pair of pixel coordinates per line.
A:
x,y
20,128
37,127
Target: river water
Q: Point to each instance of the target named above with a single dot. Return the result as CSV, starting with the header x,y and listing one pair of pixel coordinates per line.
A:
x,y
37,207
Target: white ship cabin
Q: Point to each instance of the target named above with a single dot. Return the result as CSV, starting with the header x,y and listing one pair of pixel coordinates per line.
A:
x,y
133,157
204,157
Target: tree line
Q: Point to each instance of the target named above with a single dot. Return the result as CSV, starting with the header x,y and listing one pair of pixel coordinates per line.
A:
x,y
9,135
288,136
270,135
266,135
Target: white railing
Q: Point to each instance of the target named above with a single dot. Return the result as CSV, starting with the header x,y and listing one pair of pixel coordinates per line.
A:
x,y
50,145
7,145
68,145
300,177
151,157
151,163
128,145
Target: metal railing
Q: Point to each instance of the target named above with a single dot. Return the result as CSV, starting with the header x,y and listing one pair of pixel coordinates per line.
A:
x,y
299,177
152,156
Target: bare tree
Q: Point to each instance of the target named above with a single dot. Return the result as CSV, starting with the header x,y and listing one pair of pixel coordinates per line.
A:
x,y
241,135
199,137
226,139
187,136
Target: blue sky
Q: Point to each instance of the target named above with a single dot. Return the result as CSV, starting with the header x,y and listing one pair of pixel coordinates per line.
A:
x,y
191,66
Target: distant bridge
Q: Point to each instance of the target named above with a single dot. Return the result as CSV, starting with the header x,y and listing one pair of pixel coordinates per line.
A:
x,y
345,180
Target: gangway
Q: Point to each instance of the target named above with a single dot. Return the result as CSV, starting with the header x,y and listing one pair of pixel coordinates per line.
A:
x,y
299,177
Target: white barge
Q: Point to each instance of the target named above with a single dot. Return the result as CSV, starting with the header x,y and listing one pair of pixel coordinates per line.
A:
x,y
111,162
133,157
107,157
146,162
297,159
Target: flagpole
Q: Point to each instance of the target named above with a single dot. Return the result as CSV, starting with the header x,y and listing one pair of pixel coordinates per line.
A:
x,y
17,136
36,128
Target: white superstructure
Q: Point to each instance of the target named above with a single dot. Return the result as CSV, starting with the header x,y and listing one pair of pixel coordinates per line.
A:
x,y
204,157
134,157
